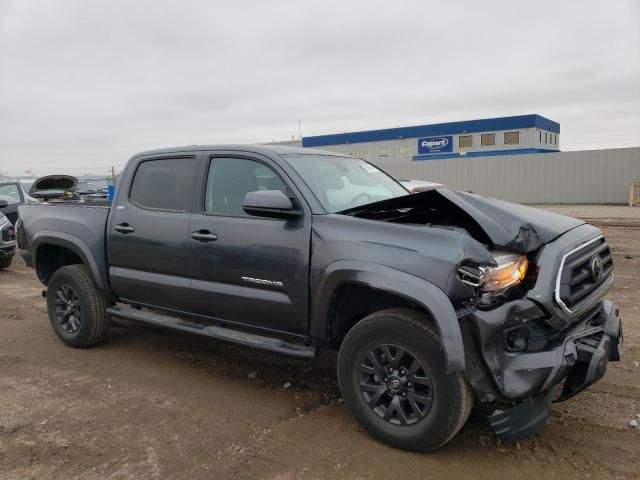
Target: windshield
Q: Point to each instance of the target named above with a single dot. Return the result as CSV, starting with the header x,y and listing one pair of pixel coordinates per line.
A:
x,y
341,183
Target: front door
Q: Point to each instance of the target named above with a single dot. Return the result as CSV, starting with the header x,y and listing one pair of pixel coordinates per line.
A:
x,y
149,233
246,269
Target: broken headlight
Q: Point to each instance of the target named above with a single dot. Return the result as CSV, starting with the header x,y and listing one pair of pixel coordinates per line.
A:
x,y
495,280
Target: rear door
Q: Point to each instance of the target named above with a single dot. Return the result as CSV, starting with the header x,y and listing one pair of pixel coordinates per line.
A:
x,y
247,269
149,233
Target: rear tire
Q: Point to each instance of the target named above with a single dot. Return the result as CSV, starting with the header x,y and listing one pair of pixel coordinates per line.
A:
x,y
391,371
77,309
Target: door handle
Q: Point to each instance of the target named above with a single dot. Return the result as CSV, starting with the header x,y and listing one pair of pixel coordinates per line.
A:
x,y
204,236
124,228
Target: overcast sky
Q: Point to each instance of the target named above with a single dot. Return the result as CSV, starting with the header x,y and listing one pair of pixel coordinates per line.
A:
x,y
86,84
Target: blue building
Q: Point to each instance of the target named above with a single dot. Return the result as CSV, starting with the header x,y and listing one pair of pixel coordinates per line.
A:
x,y
471,138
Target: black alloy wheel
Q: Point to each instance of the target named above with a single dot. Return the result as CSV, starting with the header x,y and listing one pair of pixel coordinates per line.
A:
x,y
395,384
68,311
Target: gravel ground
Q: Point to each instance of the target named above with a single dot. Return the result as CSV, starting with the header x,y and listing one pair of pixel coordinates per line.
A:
x,y
152,404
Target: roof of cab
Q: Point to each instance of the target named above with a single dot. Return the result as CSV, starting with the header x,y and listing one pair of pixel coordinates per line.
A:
x,y
264,149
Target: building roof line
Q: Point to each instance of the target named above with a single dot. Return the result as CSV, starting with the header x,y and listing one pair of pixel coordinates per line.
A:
x,y
437,129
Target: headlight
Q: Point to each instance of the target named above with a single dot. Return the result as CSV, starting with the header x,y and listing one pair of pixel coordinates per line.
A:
x,y
510,270
3,220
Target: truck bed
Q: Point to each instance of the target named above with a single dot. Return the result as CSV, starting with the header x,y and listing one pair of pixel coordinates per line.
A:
x,y
66,224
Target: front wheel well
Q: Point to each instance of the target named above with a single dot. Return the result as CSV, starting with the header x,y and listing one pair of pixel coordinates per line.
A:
x,y
352,302
50,258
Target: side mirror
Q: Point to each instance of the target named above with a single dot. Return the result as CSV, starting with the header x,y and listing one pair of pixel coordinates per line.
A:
x,y
4,204
269,203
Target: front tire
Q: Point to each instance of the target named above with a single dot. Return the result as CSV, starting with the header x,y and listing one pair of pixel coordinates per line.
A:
x,y
6,262
77,310
391,371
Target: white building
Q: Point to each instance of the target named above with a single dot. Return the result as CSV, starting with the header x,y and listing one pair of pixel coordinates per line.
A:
x,y
473,138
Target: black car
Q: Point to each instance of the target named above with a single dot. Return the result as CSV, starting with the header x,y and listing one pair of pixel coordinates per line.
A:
x,y
7,240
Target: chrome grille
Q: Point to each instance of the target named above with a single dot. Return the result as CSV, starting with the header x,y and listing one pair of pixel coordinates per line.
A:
x,y
583,272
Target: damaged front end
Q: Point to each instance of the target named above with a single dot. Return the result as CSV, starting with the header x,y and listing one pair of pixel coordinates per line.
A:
x,y
521,364
549,341
536,327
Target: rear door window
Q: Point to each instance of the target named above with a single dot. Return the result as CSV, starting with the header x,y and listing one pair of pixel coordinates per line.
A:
x,y
164,184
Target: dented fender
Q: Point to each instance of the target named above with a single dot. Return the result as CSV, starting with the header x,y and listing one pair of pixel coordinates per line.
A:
x,y
386,279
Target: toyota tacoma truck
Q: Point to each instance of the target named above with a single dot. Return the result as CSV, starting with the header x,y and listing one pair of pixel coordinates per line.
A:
x,y
432,300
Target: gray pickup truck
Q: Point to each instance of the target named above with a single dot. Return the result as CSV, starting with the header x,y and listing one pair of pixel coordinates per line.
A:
x,y
433,300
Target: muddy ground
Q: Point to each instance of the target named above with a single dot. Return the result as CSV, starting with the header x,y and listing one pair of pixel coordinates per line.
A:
x,y
152,404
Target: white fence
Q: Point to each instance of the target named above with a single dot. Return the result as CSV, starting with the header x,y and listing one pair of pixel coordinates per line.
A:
x,y
590,176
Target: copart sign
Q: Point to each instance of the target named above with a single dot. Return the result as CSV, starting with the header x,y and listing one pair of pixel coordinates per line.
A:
x,y
435,144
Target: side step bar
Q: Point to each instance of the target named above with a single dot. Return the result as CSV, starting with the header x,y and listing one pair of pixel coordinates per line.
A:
x,y
274,345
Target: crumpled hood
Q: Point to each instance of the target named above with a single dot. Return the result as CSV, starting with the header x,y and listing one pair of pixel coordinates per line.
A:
x,y
66,183
505,224
512,225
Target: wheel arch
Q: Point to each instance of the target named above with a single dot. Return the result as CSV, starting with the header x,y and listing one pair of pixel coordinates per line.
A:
x,y
394,287
53,250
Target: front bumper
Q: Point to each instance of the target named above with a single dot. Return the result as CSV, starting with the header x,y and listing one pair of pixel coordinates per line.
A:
x,y
7,240
529,381
7,251
587,354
